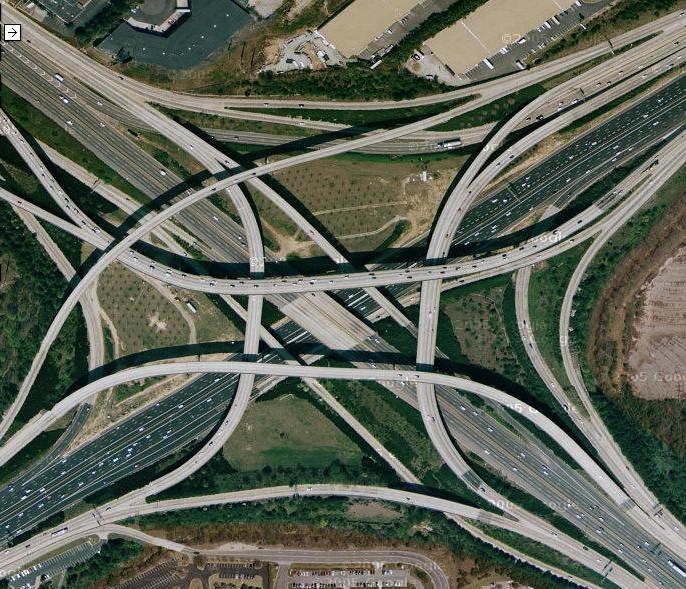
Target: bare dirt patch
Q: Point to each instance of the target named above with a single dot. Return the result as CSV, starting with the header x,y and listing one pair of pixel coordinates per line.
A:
x,y
265,7
298,7
154,320
616,330
657,356
371,511
143,317
361,201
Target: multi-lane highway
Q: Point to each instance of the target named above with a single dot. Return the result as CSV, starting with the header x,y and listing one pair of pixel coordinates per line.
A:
x,y
161,429
563,174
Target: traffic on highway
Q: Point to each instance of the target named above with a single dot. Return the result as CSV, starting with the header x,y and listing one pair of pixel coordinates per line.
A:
x,y
517,202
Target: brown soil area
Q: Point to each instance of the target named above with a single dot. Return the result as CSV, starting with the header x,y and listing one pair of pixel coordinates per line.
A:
x,y
618,310
371,511
658,353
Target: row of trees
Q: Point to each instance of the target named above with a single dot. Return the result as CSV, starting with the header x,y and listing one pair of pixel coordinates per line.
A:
x,y
313,521
28,305
217,476
113,556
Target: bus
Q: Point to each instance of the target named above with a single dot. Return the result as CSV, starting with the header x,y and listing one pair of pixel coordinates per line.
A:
x,y
677,568
59,532
449,144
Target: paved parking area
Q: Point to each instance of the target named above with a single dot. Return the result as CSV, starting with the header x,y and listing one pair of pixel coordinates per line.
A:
x,y
362,21
376,576
64,10
399,29
54,565
455,56
170,574
307,51
484,32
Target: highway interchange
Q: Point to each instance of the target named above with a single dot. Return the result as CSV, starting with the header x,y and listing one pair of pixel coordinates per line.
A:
x,y
161,429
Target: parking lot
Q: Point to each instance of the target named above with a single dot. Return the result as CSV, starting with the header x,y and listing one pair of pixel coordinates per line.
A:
x,y
458,54
309,51
170,574
373,576
362,21
26,578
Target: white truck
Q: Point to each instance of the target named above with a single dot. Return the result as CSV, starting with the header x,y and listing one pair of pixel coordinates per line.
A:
x,y
677,568
452,144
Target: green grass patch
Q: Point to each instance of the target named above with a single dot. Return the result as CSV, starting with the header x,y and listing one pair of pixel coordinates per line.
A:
x,y
546,554
500,109
285,432
547,288
365,118
125,391
287,438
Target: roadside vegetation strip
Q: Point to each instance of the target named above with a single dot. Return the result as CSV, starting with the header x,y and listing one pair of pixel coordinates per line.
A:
x,y
651,452
110,564
599,115
364,118
477,330
500,109
40,127
32,289
445,229
210,122
398,428
277,522
516,495
31,454
407,499
549,279
19,180
251,369
549,556
547,287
